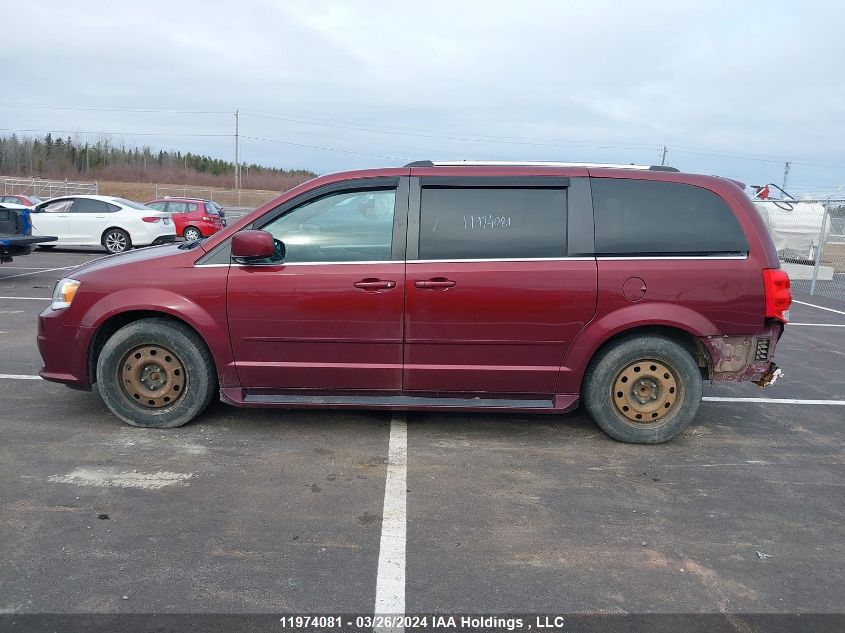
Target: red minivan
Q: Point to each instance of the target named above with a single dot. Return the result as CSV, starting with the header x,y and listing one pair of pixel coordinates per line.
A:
x,y
455,286
194,218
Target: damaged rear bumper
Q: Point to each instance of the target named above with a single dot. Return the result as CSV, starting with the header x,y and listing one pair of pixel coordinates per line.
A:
x,y
742,358
771,376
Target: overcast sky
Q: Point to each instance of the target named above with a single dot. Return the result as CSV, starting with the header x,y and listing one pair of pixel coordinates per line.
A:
x,y
388,82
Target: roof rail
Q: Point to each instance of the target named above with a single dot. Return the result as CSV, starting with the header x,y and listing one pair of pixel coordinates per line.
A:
x,y
511,163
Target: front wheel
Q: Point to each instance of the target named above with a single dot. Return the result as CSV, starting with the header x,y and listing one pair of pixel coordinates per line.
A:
x,y
117,241
156,373
643,389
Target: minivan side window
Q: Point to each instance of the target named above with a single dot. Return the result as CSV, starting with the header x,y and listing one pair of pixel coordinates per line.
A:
x,y
644,217
341,227
492,223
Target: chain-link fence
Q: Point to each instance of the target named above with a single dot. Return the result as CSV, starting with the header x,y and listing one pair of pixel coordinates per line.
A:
x,y
809,235
44,189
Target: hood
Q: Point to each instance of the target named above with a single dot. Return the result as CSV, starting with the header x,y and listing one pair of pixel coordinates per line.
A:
x,y
148,254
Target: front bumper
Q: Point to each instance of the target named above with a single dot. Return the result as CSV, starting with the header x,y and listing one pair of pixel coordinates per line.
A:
x,y
64,350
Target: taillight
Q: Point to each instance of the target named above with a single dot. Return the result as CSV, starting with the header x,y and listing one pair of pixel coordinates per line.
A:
x,y
778,294
205,218
151,219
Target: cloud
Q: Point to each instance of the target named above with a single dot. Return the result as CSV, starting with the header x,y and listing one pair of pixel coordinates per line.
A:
x,y
592,81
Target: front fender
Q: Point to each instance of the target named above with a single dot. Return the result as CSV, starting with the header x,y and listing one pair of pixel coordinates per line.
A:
x,y
212,330
629,317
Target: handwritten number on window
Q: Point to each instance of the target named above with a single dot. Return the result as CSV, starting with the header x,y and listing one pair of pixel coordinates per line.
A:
x,y
482,222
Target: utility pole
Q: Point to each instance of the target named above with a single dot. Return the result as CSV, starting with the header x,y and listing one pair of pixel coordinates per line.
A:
x,y
663,157
237,156
786,167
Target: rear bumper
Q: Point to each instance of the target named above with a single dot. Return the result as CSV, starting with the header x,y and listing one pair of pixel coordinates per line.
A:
x,y
207,229
20,244
164,239
743,358
771,376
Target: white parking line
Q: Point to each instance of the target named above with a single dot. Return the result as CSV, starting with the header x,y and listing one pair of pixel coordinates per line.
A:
x,y
29,298
819,324
20,376
775,400
813,305
36,272
390,580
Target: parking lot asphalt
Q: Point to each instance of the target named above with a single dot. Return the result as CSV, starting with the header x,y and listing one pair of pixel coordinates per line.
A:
x,y
260,511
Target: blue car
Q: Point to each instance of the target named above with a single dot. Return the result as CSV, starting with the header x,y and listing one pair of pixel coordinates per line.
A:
x,y
16,232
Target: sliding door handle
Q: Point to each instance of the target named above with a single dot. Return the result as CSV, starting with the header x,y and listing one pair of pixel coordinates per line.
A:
x,y
437,283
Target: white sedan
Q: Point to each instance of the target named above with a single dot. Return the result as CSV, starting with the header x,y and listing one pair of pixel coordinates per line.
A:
x,y
115,223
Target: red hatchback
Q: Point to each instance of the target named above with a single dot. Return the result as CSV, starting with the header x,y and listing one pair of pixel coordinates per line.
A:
x,y
193,218
27,201
440,286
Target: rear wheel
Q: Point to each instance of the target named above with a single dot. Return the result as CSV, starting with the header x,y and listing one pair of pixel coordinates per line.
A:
x,y
643,389
117,241
156,373
191,234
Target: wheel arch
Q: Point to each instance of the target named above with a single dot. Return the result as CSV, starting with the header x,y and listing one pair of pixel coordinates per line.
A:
x,y
682,337
215,340
682,325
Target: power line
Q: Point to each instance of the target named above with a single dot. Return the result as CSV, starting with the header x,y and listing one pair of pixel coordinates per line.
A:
x,y
410,132
582,144
31,131
325,148
106,109
475,138
751,157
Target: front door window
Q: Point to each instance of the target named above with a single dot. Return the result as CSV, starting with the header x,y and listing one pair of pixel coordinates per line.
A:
x,y
343,227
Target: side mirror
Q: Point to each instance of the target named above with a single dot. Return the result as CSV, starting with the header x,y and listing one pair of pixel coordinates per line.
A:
x,y
250,245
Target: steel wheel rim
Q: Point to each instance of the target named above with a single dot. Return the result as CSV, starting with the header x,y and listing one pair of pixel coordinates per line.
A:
x,y
152,376
191,235
116,242
647,391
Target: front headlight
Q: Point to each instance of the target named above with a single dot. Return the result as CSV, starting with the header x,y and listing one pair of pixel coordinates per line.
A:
x,y
64,293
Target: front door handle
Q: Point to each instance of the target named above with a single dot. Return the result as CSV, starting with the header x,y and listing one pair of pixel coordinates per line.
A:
x,y
436,283
375,284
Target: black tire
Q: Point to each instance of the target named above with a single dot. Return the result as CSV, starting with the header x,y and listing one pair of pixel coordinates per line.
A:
x,y
605,396
116,241
191,234
46,246
178,344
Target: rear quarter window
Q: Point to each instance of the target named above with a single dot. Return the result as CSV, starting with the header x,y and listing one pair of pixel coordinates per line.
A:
x,y
644,217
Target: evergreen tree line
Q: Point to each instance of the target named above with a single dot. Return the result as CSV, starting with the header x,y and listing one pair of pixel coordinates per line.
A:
x,y
73,159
